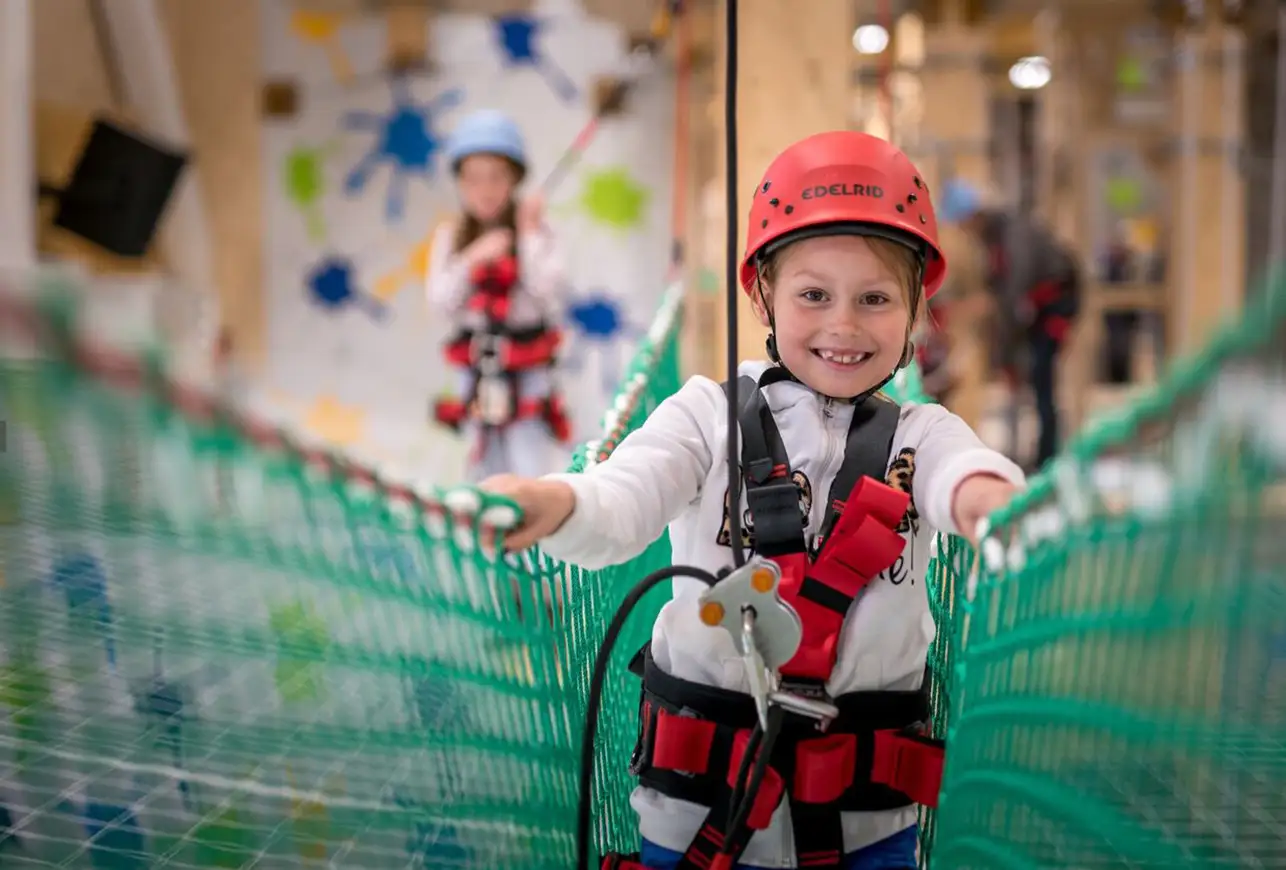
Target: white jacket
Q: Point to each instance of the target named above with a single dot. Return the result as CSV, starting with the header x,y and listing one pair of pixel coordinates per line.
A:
x,y
672,471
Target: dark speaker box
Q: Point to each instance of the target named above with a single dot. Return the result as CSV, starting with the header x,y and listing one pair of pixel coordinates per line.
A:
x,y
119,190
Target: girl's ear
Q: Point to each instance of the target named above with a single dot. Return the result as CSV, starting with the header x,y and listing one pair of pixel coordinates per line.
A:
x,y
761,305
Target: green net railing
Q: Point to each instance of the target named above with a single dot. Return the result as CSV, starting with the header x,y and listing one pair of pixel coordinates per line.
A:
x,y
222,649
1117,665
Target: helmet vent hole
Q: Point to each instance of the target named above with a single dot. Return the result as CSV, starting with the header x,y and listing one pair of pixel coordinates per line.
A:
x,y
911,197
774,202
765,223
767,184
918,183
900,207
789,209
923,219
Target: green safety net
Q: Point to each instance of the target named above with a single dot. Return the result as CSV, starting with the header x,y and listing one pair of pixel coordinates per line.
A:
x,y
1116,667
224,649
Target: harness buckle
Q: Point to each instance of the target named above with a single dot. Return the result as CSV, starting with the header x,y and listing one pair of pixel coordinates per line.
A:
x,y
493,393
484,349
809,699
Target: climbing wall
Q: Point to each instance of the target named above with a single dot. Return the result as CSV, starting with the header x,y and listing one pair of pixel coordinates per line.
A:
x,y
358,183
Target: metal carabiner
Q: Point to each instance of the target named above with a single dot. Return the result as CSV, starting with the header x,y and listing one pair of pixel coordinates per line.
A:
x,y
761,679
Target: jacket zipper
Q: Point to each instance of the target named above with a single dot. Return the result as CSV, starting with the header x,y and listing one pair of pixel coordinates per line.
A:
x,y
820,497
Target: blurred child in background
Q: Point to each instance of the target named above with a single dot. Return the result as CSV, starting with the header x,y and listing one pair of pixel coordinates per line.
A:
x,y
497,272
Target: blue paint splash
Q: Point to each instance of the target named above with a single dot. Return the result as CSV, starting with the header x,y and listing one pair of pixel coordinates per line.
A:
x,y
163,705
117,837
430,844
8,839
408,141
516,38
434,700
332,285
597,317
81,579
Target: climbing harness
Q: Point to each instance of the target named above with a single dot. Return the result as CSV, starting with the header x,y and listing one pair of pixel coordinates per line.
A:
x,y
860,751
496,356
741,754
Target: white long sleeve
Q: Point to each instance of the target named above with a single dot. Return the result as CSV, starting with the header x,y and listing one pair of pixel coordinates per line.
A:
x,y
624,504
447,283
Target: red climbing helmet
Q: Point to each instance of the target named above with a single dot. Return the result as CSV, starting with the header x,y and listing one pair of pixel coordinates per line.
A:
x,y
843,182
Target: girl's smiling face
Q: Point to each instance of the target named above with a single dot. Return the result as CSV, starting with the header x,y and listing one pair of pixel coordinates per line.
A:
x,y
841,310
486,183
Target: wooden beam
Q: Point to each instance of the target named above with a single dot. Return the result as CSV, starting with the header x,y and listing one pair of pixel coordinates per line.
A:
x,y
17,164
142,51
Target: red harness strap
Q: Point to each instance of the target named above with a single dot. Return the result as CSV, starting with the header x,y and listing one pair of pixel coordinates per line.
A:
x,y
453,413
863,543
516,354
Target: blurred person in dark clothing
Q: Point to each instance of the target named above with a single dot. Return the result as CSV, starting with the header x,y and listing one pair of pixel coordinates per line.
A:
x,y
1037,286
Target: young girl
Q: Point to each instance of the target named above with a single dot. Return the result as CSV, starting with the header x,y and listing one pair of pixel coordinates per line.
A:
x,y
496,273
841,255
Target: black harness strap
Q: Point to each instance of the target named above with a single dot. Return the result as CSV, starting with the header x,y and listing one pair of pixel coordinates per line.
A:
x,y
769,497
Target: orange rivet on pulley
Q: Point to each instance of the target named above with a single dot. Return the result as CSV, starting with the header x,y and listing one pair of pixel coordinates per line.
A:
x,y
761,580
712,613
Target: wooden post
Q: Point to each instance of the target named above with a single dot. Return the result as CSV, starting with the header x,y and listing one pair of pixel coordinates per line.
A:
x,y
216,57
1207,259
955,131
17,176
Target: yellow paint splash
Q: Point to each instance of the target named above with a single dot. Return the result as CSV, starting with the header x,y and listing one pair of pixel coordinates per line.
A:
x,y
339,424
322,30
414,270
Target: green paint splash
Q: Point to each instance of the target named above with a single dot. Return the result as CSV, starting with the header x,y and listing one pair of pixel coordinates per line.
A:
x,y
302,639
26,690
304,178
612,198
223,839
1124,195
1131,74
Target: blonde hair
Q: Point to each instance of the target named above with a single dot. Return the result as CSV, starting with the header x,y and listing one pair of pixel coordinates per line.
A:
x,y
904,263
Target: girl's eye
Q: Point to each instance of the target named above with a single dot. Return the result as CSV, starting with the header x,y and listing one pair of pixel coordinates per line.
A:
x,y
874,299
814,295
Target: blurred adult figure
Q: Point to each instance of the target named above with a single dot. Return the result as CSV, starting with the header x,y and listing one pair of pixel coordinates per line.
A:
x,y
1035,283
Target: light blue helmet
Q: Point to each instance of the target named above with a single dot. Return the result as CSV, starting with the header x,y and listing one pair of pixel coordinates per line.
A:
x,y
959,200
486,132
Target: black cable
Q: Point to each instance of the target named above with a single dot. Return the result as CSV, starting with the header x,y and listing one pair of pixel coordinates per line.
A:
x,y
741,811
597,677
733,281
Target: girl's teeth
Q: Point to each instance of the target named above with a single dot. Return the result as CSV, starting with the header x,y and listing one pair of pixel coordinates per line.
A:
x,y
843,358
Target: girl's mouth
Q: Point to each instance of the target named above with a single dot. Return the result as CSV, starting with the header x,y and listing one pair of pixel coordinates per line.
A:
x,y
846,359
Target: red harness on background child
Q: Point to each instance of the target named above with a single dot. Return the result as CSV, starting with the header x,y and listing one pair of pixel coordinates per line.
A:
x,y
873,756
497,355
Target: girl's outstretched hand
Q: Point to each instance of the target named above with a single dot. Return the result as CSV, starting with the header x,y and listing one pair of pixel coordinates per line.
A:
x,y
545,506
977,497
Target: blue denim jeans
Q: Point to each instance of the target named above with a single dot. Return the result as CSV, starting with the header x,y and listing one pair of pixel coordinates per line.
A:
x,y
894,853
